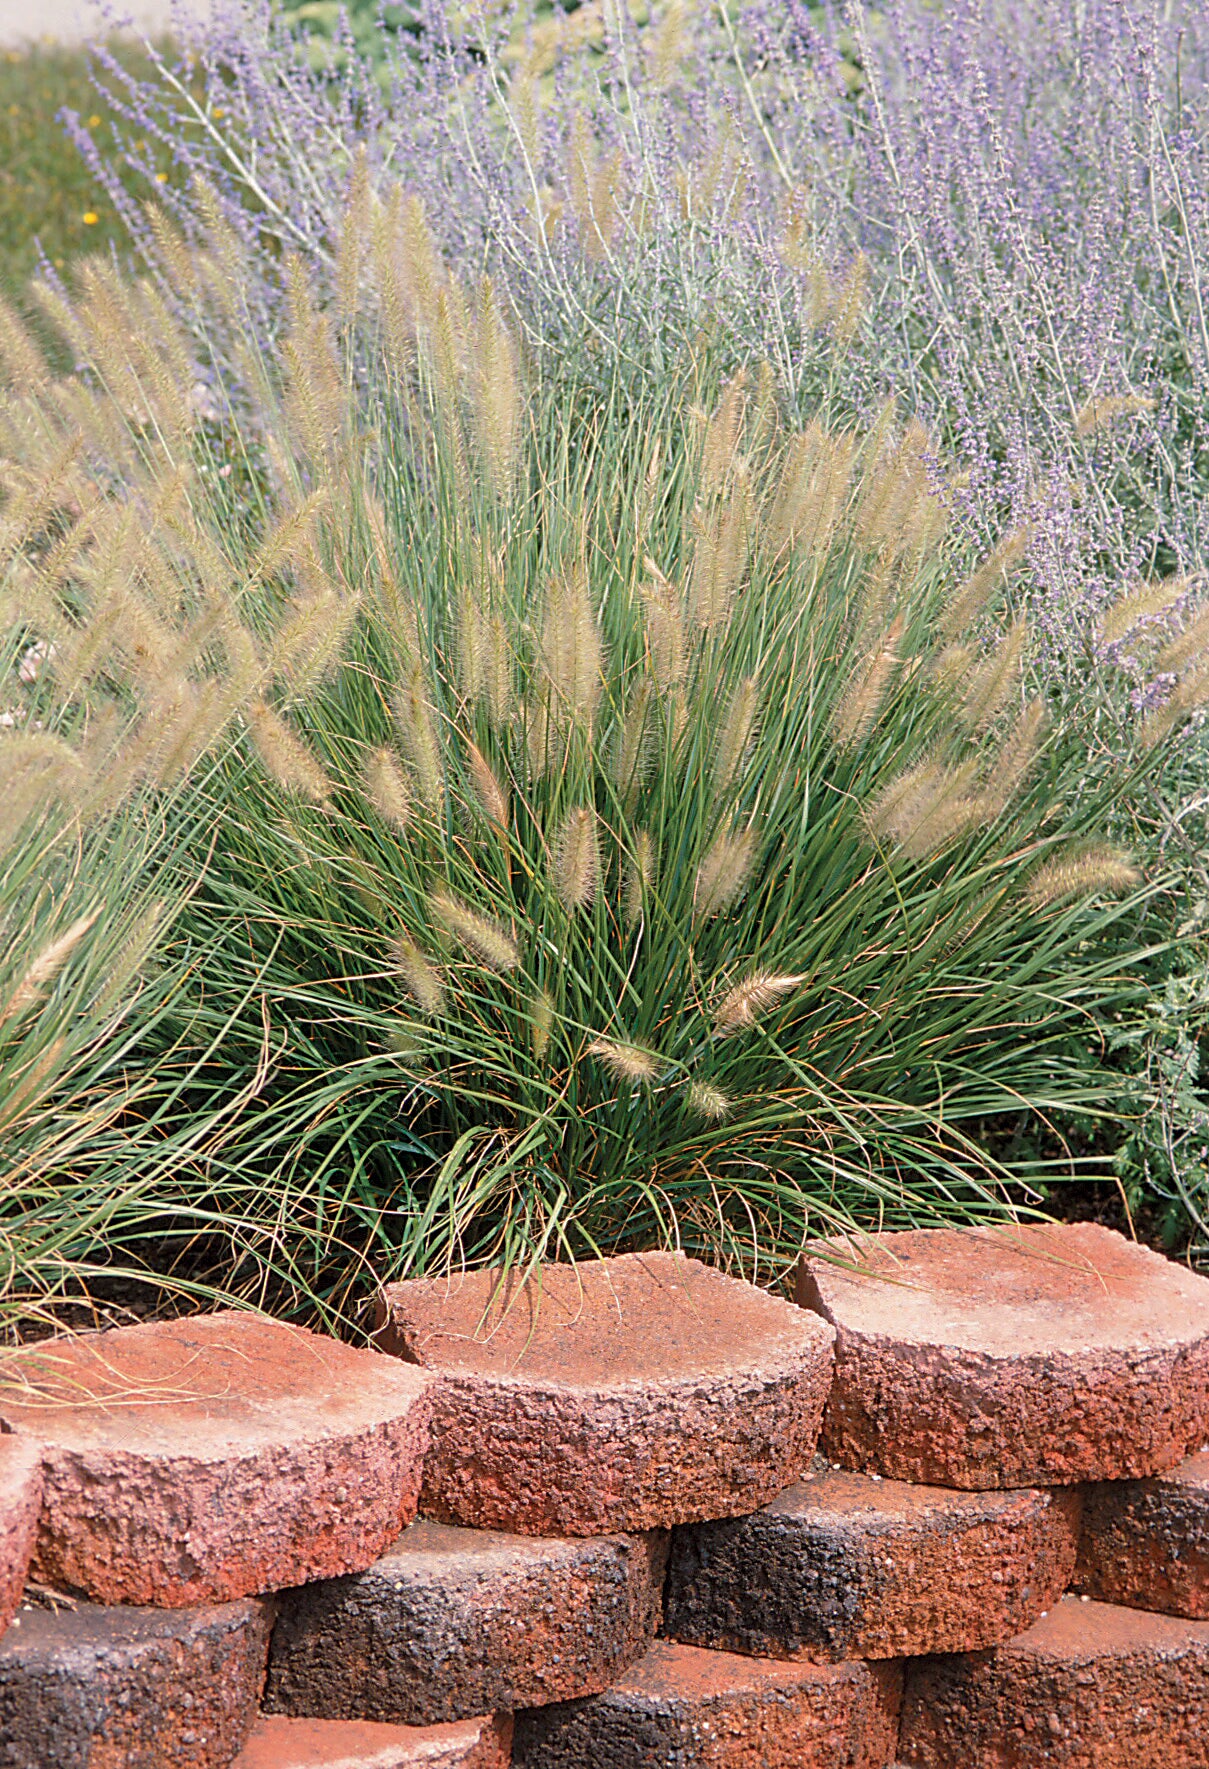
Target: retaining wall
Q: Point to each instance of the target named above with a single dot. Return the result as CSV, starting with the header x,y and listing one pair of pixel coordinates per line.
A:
x,y
951,1510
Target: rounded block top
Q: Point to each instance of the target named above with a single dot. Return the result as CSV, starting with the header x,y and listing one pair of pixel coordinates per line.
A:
x,y
611,1322
78,1640
673,1673
206,1388
720,1710
201,1460
616,1395
279,1743
1027,1356
1079,1630
1013,1292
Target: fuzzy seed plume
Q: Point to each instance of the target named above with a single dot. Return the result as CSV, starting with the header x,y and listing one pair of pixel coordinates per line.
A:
x,y
721,442
497,398
952,666
859,705
485,938
1016,756
664,631
720,554
471,645
403,1041
424,270
1146,602
1188,646
629,1062
725,872
595,184
640,875
709,1102
386,787
1188,696
22,363
995,680
577,859
422,979
1094,870
972,596
545,741
497,670
667,44
308,644
896,485
541,1022
129,961
416,725
738,730
744,1003
287,758
488,789
815,478
43,969
391,286
1097,414
354,238
631,746
926,807
572,648
848,301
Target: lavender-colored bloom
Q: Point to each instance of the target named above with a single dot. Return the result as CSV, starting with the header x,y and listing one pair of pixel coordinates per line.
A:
x,y
1022,184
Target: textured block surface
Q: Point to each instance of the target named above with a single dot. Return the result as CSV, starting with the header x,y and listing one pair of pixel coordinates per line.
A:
x,y
1088,1687
451,1623
20,1503
845,1566
278,1743
681,1708
201,1460
622,1394
92,1688
1033,1356
1146,1542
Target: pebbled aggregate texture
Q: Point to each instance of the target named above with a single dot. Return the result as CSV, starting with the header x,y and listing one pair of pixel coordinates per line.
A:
x,y
20,1505
451,1623
93,1688
1090,1686
1025,1356
843,1566
201,1460
1145,1543
682,1708
278,1743
624,1394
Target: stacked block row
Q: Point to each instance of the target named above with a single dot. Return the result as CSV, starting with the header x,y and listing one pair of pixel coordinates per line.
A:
x,y
951,1510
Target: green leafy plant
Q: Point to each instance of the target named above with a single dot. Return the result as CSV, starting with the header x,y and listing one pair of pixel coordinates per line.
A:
x,y
639,826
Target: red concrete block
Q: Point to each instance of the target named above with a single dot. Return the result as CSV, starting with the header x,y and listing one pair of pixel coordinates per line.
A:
x,y
845,1566
1089,1686
278,1743
201,1460
1146,1542
451,1623
714,1710
621,1394
93,1688
1034,1356
20,1503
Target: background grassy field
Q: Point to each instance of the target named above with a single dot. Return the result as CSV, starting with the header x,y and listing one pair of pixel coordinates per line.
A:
x,y
49,201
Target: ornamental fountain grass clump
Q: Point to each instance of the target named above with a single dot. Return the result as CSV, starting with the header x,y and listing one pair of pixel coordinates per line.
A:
x,y
588,822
